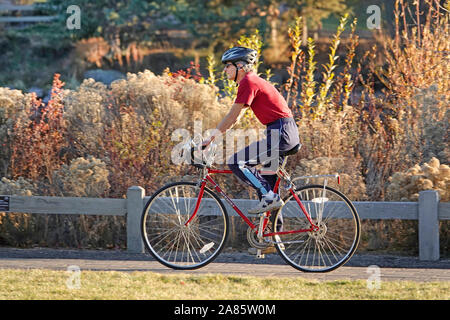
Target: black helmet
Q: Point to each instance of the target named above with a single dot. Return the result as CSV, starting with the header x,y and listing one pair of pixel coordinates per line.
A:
x,y
236,54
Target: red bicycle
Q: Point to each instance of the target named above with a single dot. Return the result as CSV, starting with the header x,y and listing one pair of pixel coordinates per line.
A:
x,y
185,224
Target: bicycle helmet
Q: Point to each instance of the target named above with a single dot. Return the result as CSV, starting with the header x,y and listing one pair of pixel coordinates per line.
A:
x,y
236,54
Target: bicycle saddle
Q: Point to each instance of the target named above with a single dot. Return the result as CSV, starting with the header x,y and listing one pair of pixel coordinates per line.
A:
x,y
290,152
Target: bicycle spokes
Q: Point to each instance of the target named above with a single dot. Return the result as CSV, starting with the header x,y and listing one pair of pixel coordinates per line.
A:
x,y
178,238
333,224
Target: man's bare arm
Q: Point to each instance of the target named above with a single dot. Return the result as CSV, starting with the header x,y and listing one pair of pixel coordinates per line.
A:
x,y
228,121
231,118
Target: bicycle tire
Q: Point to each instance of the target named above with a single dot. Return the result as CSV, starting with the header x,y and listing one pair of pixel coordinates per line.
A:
x,y
329,247
169,240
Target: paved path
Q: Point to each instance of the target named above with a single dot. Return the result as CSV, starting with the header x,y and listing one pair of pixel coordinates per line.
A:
x,y
391,267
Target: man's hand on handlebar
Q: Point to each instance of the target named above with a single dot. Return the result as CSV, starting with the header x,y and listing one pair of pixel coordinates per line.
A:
x,y
206,143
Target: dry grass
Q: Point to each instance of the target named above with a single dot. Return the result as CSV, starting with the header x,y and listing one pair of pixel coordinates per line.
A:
x,y
104,285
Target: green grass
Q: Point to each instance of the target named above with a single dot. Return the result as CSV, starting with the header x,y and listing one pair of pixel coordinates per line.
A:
x,y
102,285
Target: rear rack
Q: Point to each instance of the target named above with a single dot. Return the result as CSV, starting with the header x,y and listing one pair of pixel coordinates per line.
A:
x,y
326,176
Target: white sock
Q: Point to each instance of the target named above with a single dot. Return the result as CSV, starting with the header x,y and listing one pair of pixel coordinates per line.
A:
x,y
269,195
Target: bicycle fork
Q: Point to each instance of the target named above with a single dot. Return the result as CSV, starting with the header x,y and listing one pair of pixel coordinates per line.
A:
x,y
197,204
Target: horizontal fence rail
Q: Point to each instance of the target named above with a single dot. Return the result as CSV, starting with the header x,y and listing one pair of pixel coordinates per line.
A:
x,y
27,19
68,205
22,19
12,7
428,211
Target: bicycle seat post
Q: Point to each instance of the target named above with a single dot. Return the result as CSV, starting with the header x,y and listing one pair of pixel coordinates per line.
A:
x,y
281,171
283,174
284,163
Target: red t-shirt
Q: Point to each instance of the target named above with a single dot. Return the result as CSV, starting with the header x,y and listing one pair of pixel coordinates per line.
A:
x,y
264,99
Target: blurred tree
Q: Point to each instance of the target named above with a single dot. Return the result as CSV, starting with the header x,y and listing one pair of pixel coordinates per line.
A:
x,y
279,14
119,31
218,22
130,20
122,23
122,28
213,22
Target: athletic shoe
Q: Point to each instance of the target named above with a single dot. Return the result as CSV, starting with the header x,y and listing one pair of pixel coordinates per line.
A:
x,y
269,201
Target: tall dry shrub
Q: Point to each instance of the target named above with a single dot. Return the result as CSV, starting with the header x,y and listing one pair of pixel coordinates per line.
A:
x,y
351,182
13,104
406,185
32,137
17,228
291,87
409,122
332,140
39,137
85,177
81,178
177,101
147,109
432,175
85,115
328,125
418,77
130,125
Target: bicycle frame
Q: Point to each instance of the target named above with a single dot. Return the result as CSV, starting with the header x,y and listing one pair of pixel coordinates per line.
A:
x,y
207,178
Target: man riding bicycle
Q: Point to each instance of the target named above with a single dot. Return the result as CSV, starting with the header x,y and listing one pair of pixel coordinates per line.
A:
x,y
185,224
271,109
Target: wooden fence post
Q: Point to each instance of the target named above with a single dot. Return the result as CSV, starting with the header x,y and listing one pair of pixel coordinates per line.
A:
x,y
429,225
135,205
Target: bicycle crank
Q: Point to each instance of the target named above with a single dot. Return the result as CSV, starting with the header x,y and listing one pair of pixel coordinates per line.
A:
x,y
254,241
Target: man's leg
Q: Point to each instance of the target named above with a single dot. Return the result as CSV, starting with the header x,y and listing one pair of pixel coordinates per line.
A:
x,y
272,179
243,165
249,157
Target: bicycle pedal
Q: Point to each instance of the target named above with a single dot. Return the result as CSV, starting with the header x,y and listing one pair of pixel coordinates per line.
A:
x,y
259,254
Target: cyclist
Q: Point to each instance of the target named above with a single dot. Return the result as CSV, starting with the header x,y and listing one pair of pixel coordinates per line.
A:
x,y
271,109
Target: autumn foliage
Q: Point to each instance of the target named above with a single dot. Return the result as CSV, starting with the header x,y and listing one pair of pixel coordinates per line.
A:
x,y
39,137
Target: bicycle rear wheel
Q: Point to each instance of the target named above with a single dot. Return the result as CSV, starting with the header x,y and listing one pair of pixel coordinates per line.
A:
x,y
332,244
173,242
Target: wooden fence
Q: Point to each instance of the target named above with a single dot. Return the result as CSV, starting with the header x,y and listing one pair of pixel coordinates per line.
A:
x,y
428,211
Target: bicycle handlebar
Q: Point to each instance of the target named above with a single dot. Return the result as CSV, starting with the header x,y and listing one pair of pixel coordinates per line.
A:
x,y
195,161
190,148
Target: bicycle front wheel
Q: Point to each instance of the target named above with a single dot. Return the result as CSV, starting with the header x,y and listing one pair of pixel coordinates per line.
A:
x,y
173,236
329,246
